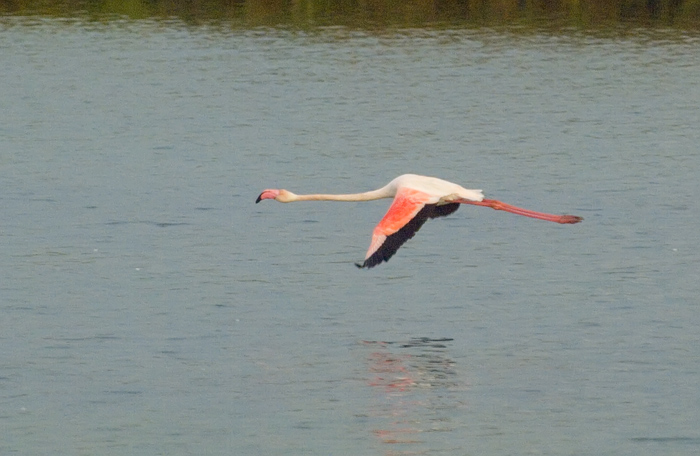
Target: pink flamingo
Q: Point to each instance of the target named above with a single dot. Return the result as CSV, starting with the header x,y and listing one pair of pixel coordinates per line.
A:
x,y
416,199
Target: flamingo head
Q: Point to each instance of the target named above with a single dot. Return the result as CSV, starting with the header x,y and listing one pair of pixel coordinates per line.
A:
x,y
283,196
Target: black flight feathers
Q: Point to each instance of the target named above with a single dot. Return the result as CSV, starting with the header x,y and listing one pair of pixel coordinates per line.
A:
x,y
393,242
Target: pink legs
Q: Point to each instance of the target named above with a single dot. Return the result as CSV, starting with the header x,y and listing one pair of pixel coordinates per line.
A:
x,y
500,206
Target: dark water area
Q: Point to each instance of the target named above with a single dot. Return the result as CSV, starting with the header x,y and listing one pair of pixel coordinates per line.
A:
x,y
542,14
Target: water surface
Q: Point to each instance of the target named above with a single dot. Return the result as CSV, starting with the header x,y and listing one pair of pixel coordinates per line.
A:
x,y
150,307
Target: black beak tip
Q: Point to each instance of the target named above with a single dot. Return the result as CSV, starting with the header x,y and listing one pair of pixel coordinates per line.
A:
x,y
258,200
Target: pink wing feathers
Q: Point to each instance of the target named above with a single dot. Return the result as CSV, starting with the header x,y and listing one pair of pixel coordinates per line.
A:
x,y
407,213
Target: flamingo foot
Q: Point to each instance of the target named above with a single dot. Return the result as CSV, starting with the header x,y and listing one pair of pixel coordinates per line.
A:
x,y
570,219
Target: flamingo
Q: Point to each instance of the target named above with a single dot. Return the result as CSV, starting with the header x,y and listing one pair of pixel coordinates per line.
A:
x,y
416,199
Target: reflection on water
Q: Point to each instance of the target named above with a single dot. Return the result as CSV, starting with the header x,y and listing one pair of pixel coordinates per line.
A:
x,y
416,392
377,14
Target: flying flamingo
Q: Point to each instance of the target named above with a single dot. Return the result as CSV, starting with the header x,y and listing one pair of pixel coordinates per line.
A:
x,y
416,199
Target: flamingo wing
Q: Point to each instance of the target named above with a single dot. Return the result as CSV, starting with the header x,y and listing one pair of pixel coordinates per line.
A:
x,y
406,215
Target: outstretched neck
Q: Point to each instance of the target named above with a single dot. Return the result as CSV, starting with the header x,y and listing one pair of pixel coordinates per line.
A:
x,y
287,196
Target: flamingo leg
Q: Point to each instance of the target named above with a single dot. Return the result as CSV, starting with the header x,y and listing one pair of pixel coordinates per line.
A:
x,y
501,206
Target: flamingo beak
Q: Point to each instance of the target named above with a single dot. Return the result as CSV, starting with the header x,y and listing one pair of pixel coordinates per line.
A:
x,y
267,194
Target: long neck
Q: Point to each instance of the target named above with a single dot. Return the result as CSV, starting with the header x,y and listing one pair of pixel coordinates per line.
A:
x,y
367,196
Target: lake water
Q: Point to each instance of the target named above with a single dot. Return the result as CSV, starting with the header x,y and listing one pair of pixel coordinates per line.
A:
x,y
150,307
